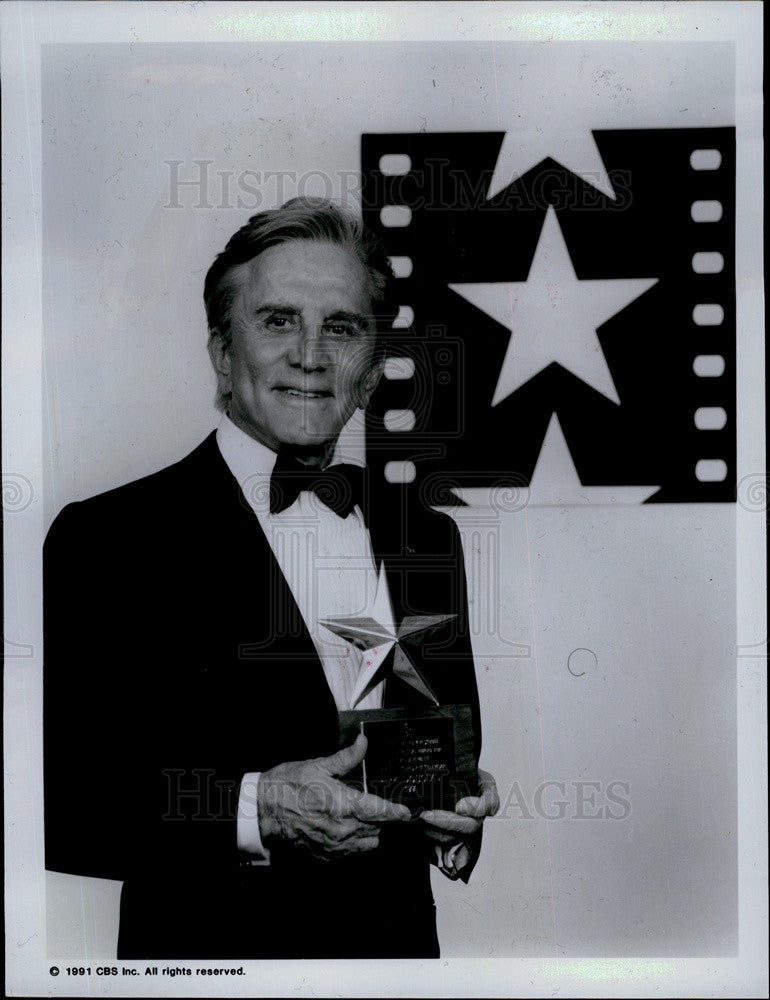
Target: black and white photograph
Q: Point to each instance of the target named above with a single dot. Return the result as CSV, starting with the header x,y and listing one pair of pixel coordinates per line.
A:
x,y
384,499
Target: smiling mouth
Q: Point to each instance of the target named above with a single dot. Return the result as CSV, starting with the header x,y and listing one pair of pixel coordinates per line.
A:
x,y
295,393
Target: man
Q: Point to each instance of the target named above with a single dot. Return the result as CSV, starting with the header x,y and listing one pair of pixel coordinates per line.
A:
x,y
191,693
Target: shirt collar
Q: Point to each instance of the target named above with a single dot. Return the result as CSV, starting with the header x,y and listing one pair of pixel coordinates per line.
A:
x,y
251,462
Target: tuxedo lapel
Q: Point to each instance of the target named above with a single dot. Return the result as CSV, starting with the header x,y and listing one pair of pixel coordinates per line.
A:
x,y
390,533
262,614
387,528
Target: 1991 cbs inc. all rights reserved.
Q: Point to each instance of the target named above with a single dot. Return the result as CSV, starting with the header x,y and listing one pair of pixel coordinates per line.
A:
x,y
149,970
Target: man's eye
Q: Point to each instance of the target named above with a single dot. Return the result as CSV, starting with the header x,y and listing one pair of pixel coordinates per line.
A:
x,y
279,322
342,329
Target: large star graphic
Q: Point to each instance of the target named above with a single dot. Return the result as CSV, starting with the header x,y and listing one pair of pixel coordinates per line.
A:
x,y
553,315
555,483
551,100
377,630
553,115
572,146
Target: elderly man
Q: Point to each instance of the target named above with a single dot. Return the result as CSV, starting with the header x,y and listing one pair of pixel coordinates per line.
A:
x,y
192,693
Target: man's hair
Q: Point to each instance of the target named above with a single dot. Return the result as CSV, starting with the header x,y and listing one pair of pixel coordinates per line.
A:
x,y
300,219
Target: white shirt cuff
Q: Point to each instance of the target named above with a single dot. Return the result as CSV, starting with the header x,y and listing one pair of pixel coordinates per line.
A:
x,y
248,836
451,859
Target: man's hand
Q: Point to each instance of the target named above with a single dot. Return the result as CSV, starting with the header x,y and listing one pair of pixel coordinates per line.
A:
x,y
443,827
302,802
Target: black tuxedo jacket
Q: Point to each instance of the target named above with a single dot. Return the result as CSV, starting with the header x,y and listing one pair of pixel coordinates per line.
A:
x,y
176,660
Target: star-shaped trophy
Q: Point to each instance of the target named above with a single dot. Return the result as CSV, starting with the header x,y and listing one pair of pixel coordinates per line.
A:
x,y
422,755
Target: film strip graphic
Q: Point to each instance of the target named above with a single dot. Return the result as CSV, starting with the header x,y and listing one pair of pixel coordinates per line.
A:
x,y
705,210
671,352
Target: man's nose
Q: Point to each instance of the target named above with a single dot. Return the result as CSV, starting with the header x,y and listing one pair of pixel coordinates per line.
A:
x,y
310,350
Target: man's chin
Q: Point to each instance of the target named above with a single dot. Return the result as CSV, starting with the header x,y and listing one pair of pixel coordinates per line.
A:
x,y
309,439
311,430
289,436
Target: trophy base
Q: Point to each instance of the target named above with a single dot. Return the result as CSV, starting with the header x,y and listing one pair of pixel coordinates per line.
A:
x,y
422,758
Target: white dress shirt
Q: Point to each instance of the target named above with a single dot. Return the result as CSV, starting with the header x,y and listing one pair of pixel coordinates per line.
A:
x,y
329,565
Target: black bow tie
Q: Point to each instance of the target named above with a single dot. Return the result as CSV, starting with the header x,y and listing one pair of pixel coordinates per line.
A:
x,y
340,487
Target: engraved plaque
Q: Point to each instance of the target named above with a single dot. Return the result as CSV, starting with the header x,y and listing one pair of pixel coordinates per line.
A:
x,y
422,758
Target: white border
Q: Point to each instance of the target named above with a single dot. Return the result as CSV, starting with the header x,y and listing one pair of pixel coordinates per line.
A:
x,y
25,26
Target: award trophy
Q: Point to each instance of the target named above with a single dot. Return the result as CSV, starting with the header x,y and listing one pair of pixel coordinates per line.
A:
x,y
421,757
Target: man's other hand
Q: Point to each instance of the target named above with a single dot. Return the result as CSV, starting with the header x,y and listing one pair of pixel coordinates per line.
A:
x,y
303,802
443,827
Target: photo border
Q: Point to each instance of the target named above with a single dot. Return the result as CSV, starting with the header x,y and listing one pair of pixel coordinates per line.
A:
x,y
28,25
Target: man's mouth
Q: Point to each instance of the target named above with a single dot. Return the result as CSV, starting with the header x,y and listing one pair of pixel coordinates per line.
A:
x,y
297,393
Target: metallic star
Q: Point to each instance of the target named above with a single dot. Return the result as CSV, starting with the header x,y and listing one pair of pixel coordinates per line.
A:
x,y
367,632
553,316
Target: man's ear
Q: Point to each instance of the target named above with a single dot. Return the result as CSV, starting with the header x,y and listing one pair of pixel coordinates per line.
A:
x,y
219,352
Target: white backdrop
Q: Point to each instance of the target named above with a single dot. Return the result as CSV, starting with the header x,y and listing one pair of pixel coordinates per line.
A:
x,y
606,647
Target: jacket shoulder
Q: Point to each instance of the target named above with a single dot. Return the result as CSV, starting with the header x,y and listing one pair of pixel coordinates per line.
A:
x,y
151,498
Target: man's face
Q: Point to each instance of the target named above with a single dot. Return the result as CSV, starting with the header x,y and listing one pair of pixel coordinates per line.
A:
x,y
301,357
